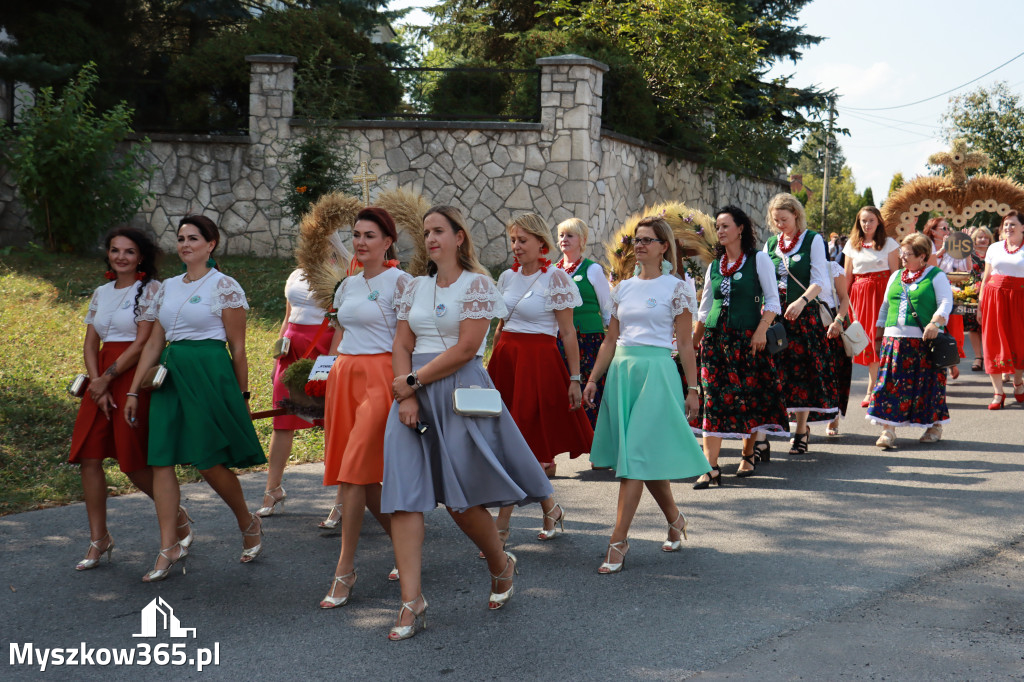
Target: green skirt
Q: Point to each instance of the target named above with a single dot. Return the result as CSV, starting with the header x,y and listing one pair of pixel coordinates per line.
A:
x,y
199,416
642,432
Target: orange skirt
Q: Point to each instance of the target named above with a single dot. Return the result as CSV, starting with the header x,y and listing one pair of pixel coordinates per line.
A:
x,y
355,413
96,437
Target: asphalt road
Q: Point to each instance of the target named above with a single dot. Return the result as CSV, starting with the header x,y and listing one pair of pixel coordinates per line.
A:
x,y
847,563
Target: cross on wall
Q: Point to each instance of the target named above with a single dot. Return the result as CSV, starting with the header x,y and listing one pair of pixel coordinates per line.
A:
x,y
364,177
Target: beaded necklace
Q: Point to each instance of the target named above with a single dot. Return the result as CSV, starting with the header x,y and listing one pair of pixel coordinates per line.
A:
x,y
785,246
729,270
909,276
1010,251
571,268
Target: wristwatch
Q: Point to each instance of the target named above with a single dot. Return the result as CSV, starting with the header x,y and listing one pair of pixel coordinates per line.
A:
x,y
576,377
413,381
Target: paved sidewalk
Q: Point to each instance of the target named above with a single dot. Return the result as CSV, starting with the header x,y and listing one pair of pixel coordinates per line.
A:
x,y
848,563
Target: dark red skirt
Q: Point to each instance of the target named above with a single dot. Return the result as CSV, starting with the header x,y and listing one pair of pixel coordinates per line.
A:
x,y
96,437
301,335
866,296
1002,324
534,384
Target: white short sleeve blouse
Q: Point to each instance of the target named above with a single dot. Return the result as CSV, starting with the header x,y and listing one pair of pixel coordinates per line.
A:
x,y
304,309
532,300
1004,263
367,311
870,260
434,312
191,311
647,309
112,311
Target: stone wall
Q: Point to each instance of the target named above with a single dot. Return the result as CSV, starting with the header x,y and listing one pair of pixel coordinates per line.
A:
x,y
563,166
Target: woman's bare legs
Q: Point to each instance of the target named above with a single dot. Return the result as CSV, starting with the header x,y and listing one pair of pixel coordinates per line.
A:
x,y
407,532
280,450
356,499
225,483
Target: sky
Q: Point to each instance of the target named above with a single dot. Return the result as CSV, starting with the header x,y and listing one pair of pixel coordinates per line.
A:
x,y
889,53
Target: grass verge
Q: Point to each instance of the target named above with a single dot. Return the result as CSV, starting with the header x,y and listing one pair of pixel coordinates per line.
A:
x,y
43,300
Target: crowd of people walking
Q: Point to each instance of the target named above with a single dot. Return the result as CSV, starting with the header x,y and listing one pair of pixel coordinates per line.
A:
x,y
414,418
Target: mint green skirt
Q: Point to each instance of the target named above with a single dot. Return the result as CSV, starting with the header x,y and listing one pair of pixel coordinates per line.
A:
x,y
199,416
642,432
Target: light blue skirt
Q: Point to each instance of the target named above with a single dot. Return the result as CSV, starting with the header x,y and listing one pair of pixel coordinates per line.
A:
x,y
642,432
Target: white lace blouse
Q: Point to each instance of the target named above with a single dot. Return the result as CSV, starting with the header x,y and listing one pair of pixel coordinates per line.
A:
x,y
191,311
304,309
434,312
112,311
366,311
647,309
532,300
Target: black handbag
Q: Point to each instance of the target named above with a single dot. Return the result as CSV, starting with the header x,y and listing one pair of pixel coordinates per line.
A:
x,y
942,350
776,336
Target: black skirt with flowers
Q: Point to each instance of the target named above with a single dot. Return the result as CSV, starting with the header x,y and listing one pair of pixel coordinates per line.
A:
x,y
807,369
741,392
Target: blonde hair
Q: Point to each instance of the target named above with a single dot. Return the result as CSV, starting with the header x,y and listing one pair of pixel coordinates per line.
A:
x,y
918,243
784,201
577,227
466,252
663,231
533,224
982,228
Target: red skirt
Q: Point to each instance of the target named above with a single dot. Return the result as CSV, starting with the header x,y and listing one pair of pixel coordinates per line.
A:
x,y
1002,324
302,336
356,411
866,296
96,437
955,327
534,384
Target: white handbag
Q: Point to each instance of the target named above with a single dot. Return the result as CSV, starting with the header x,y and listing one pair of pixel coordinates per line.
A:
x,y
855,339
477,401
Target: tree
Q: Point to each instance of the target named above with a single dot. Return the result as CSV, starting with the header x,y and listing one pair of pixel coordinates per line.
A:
x,y
701,64
843,199
137,43
71,177
992,121
868,198
895,184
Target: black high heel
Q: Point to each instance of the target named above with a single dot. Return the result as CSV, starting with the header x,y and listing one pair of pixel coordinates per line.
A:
x,y
701,485
800,443
749,459
763,454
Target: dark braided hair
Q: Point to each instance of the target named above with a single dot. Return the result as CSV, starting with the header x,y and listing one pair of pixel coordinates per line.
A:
x,y
748,241
147,250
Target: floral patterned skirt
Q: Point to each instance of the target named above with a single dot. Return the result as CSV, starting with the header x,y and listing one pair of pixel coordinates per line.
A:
x,y
807,369
741,393
909,390
589,345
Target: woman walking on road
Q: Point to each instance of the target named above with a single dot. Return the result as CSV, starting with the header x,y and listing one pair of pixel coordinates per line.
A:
x,y
433,454
642,430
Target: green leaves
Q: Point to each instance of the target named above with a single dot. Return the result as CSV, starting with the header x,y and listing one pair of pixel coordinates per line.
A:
x,y
73,173
992,121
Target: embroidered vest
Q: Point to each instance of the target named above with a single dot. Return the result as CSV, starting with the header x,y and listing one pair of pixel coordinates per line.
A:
x,y
799,266
923,298
587,317
745,297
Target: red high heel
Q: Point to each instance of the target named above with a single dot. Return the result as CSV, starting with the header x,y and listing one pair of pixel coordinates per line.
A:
x,y
997,401
1019,397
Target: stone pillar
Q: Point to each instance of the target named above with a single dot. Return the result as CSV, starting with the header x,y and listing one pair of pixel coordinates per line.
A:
x,y
271,96
570,92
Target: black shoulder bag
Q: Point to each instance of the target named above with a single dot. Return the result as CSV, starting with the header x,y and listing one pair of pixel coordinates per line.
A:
x,y
942,350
